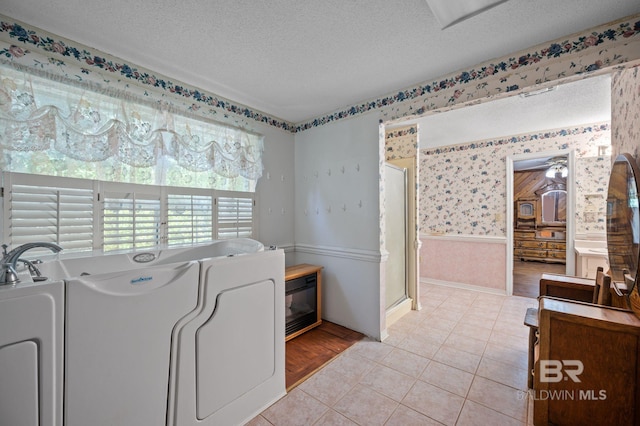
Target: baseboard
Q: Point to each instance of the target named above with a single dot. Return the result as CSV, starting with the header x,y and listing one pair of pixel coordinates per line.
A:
x,y
463,286
398,311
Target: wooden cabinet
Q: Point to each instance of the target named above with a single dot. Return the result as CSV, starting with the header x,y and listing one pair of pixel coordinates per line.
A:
x,y
588,365
529,245
303,299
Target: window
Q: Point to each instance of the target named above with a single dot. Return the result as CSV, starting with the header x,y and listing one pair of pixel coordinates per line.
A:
x,y
93,167
190,218
55,210
64,128
85,215
131,220
235,217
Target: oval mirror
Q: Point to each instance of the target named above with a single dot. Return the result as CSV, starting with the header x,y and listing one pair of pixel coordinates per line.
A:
x,y
623,221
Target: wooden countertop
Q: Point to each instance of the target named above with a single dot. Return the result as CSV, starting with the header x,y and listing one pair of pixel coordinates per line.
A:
x,y
297,271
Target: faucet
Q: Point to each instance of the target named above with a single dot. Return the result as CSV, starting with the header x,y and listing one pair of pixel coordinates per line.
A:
x,y
8,274
31,266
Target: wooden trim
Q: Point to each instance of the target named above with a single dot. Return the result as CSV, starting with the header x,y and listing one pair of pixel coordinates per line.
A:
x,y
567,287
301,270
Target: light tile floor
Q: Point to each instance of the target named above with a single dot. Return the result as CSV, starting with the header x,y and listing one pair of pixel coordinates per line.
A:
x,y
461,360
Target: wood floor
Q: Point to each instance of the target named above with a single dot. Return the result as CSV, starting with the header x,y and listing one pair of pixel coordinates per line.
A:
x,y
526,276
308,352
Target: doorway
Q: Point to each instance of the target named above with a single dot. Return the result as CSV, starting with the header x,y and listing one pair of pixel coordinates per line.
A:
x,y
537,244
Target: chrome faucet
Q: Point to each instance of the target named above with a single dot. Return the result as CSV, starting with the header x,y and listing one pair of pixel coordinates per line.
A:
x,y
8,274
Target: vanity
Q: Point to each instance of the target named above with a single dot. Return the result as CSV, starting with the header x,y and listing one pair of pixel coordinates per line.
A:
x,y
585,355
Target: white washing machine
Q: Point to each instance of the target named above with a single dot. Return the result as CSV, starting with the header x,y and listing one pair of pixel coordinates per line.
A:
x,y
230,362
118,343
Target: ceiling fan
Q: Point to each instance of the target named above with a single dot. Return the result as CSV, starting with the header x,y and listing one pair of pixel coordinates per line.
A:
x,y
557,165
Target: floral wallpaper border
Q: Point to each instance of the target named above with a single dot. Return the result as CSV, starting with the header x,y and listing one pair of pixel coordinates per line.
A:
x,y
62,51
19,39
552,51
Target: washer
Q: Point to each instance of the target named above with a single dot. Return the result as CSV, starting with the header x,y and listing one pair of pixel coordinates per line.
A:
x,y
118,342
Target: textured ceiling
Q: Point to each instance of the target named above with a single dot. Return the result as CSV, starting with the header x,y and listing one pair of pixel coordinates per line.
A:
x,y
296,59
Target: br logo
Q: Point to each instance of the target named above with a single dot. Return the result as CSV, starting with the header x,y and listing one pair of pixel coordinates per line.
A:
x,y
553,370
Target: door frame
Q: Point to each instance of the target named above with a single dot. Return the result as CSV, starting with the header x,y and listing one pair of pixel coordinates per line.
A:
x,y
571,206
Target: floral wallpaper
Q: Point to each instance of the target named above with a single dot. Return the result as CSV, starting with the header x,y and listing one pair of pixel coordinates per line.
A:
x,y
401,143
463,187
625,113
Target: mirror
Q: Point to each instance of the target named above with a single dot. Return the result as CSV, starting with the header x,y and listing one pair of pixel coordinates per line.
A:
x,y
623,220
554,206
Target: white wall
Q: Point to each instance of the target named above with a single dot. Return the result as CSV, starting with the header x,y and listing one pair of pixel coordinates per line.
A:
x,y
337,218
275,189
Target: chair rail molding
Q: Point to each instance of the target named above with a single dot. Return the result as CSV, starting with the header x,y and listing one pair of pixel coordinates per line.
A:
x,y
373,256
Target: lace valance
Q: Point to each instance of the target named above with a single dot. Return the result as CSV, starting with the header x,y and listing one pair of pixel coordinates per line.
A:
x,y
75,124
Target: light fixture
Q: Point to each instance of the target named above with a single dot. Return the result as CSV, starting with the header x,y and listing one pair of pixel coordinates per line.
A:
x,y
557,168
557,165
450,12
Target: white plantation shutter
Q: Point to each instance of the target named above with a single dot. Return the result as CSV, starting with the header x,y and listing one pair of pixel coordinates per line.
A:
x,y
85,215
235,216
189,219
131,220
55,210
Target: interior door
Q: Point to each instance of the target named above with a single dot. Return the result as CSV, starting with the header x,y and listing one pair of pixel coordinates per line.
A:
x,y
396,234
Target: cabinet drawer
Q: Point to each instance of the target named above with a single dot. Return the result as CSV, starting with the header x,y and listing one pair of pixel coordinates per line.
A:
x,y
524,234
551,245
556,254
530,253
533,244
